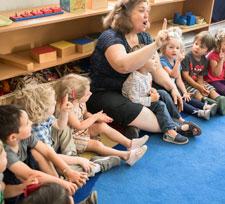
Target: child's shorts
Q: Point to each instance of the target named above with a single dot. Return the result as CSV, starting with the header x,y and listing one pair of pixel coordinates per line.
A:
x,y
81,139
193,91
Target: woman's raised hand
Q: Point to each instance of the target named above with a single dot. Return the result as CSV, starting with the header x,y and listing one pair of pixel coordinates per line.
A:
x,y
162,38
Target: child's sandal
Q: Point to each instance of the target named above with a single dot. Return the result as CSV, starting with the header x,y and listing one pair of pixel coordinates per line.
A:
x,y
193,129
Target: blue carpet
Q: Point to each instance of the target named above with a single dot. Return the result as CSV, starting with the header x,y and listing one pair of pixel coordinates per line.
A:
x,y
168,173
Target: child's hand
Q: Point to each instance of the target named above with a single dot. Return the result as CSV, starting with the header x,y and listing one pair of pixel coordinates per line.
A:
x,y
186,96
203,90
66,106
162,38
86,164
164,26
103,117
31,180
154,96
222,55
79,178
153,90
180,56
70,187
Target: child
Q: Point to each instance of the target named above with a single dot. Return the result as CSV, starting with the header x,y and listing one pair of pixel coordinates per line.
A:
x,y
40,106
171,58
17,137
86,125
53,193
11,190
194,68
216,70
138,88
49,193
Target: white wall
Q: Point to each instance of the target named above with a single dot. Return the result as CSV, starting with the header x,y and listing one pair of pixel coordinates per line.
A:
x,y
21,4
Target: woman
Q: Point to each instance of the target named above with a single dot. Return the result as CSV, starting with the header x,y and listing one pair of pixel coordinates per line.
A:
x,y
113,60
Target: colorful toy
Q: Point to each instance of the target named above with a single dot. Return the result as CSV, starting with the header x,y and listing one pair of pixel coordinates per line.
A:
x,y
84,45
188,19
44,54
73,6
26,15
64,48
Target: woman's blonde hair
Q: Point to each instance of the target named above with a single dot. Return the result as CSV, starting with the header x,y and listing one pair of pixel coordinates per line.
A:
x,y
1,147
219,38
174,33
35,101
74,85
119,17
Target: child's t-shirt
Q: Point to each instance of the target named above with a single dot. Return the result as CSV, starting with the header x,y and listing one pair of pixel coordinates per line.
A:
x,y
21,155
214,55
137,88
194,67
43,130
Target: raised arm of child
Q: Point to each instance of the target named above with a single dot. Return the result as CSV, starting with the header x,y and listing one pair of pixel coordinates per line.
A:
x,y
217,66
65,108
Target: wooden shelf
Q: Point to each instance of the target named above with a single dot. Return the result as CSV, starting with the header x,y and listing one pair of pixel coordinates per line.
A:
x,y
52,19
156,26
9,71
158,3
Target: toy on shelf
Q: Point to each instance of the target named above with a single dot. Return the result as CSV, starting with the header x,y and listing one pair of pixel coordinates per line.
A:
x,y
44,54
84,45
64,48
37,13
188,19
73,6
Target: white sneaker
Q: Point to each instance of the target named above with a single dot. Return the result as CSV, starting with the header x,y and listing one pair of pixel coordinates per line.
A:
x,y
136,154
139,142
204,114
212,108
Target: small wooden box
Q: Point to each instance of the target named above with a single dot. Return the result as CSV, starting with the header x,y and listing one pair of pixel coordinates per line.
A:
x,y
44,54
97,4
64,48
84,45
73,6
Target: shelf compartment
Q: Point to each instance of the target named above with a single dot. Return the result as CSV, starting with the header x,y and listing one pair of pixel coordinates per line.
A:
x,y
8,71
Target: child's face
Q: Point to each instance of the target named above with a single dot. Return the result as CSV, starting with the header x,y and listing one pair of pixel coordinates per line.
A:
x,y
86,96
172,49
199,49
3,161
25,127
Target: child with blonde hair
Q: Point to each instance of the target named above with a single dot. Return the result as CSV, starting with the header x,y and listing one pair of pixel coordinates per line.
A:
x,y
172,55
216,69
39,102
194,68
86,125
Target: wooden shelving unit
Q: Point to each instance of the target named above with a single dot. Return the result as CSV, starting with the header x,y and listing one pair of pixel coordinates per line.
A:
x,y
18,38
